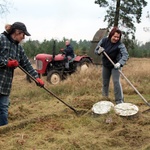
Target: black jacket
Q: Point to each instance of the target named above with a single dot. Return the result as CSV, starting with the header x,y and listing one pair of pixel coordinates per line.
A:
x,y
69,51
116,51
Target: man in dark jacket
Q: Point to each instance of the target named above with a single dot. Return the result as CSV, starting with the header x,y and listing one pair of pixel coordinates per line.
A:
x,y
69,53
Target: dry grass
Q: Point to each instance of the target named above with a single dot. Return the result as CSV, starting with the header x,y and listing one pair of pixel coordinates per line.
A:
x,y
38,121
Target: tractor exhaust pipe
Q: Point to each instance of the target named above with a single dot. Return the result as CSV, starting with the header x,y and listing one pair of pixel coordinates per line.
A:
x,y
54,50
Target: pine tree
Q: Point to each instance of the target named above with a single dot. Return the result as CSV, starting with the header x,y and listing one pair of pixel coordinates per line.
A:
x,y
123,14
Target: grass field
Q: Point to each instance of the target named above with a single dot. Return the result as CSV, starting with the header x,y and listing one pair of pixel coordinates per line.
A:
x,y
38,121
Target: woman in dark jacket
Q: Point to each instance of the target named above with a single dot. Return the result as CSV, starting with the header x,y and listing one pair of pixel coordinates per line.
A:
x,y
116,50
11,56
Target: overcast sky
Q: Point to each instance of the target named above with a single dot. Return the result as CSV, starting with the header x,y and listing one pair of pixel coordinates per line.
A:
x,y
76,19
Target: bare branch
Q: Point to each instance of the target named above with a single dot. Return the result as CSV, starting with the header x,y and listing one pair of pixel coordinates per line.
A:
x,y
5,5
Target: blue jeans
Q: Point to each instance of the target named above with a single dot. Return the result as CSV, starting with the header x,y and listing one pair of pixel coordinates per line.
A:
x,y
4,104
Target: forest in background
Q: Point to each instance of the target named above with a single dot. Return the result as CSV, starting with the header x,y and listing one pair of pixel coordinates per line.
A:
x,y
34,47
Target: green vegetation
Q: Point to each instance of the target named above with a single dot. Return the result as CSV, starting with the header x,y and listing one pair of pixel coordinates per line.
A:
x,y
32,48
35,47
123,14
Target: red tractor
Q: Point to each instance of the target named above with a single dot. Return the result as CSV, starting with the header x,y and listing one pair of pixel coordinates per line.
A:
x,y
53,66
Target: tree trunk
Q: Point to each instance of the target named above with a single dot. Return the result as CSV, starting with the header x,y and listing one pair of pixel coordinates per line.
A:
x,y
116,20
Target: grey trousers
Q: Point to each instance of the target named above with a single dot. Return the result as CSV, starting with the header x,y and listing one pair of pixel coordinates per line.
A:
x,y
106,74
68,58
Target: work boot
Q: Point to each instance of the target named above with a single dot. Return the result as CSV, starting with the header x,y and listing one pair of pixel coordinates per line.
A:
x,y
67,65
118,102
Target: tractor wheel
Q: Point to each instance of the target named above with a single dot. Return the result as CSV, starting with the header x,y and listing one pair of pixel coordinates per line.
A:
x,y
54,77
84,64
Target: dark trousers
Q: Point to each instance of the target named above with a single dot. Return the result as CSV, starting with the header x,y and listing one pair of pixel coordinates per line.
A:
x,y
106,74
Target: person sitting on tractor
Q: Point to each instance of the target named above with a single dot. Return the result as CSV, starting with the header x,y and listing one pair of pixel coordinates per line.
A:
x,y
69,53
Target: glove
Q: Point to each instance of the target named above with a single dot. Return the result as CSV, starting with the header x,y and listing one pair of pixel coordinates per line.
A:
x,y
117,65
100,50
40,82
12,63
